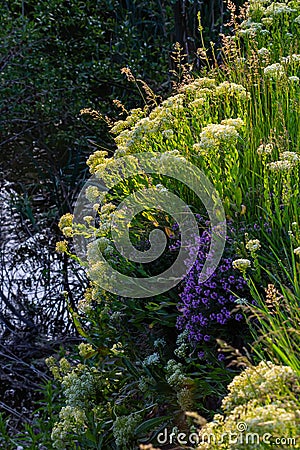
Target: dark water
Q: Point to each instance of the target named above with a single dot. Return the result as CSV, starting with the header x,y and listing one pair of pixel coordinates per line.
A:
x,y
32,275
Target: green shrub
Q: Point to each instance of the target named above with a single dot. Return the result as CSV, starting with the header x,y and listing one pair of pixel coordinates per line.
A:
x,y
239,125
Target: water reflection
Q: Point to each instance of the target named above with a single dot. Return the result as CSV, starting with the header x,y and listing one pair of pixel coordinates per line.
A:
x,y
32,275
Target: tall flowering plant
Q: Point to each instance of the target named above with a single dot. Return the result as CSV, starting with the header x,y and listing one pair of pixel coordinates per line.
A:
x,y
208,311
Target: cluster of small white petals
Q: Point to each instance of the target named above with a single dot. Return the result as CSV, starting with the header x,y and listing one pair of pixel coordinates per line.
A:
x,y
278,8
267,379
237,123
72,421
263,400
152,360
241,264
160,342
274,71
217,133
78,388
232,89
263,52
288,160
253,245
293,157
85,349
294,79
168,134
183,346
123,429
265,149
294,58
249,28
135,115
175,376
280,166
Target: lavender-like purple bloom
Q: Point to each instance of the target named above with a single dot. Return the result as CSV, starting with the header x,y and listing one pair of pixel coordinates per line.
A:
x,y
238,317
206,308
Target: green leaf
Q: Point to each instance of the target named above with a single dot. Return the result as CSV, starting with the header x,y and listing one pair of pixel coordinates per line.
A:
x,y
76,321
150,424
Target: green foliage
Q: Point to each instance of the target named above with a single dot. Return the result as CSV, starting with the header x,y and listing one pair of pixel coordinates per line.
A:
x,y
277,308
36,432
57,58
244,140
123,394
239,124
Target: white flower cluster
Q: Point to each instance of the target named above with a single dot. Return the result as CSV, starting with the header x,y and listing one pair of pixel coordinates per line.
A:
x,y
294,79
182,343
265,149
293,157
257,6
79,388
274,420
85,349
168,134
276,9
280,166
92,193
287,161
97,160
253,245
152,360
237,123
267,380
249,28
66,224
123,429
160,342
241,264
175,376
72,422
198,103
213,135
267,21
96,248
264,400
274,71
263,52
161,122
199,83
98,271
290,59
232,90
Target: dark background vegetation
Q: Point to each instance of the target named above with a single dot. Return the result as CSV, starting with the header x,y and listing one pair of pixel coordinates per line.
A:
x,y
56,58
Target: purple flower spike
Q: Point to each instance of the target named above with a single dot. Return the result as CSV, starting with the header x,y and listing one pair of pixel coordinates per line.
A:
x,y
205,308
